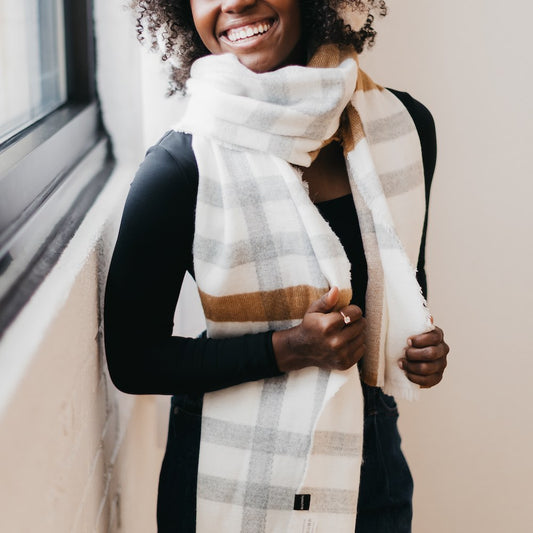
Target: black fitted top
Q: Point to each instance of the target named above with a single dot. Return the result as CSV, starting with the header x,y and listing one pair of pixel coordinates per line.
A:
x,y
152,254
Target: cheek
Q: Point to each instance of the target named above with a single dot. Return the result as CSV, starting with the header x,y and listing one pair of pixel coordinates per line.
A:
x,y
204,22
294,32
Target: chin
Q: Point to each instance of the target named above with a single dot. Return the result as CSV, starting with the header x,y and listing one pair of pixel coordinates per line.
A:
x,y
256,65
261,64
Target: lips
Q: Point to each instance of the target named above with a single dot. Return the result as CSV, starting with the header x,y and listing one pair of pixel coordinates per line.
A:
x,y
246,31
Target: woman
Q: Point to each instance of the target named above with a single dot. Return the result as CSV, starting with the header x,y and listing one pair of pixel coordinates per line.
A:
x,y
258,202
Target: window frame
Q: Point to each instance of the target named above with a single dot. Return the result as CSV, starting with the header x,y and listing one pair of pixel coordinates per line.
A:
x,y
51,172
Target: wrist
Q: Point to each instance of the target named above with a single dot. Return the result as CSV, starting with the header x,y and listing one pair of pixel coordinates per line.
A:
x,y
286,357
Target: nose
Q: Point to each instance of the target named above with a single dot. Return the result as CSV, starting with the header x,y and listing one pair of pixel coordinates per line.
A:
x,y
236,6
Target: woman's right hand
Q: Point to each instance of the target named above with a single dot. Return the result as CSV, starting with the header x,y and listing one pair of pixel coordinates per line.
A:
x,y
323,338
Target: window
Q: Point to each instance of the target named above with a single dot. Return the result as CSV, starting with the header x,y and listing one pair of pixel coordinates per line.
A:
x,y
32,63
54,154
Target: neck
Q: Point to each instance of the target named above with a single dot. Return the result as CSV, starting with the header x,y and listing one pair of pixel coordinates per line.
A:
x,y
327,177
298,56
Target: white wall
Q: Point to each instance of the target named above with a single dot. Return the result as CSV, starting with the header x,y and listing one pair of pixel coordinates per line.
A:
x,y
469,440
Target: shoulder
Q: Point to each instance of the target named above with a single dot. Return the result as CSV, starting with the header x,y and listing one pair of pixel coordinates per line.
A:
x,y
425,126
168,172
165,185
420,114
170,162
177,146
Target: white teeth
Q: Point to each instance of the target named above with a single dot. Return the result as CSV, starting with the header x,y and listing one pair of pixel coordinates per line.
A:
x,y
248,31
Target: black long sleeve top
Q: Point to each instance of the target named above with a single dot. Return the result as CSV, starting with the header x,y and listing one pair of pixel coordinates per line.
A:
x,y
153,252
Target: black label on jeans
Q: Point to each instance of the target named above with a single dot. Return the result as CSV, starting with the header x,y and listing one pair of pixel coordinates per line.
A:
x,y
302,502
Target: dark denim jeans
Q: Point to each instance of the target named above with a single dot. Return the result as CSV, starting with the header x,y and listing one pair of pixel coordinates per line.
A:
x,y
385,490
386,486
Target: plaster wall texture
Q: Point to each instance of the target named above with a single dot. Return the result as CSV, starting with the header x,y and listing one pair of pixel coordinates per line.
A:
x,y
73,454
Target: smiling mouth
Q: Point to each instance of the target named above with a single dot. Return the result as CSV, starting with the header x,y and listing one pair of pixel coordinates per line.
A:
x,y
251,30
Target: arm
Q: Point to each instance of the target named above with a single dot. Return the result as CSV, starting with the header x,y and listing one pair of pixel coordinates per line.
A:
x,y
425,126
152,253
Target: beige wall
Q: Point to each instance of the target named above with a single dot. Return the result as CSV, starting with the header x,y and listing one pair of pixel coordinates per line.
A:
x,y
74,456
469,441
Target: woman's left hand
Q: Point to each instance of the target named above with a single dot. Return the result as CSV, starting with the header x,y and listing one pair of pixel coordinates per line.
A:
x,y
425,358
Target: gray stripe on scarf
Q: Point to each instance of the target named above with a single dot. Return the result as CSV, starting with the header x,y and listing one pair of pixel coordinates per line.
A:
x,y
366,221
262,497
278,498
318,128
280,146
336,443
262,248
389,128
372,190
271,190
321,106
388,238
403,180
222,130
268,275
287,443
261,462
259,120
268,271
273,91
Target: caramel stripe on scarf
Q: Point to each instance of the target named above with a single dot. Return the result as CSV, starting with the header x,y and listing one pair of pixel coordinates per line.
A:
x,y
283,454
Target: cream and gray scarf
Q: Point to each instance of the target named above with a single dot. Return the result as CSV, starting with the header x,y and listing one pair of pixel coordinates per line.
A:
x,y
283,454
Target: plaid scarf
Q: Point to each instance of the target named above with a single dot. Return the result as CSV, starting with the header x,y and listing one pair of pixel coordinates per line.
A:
x,y
283,454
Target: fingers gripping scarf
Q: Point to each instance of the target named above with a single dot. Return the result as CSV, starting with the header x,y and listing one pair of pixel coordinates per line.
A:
x,y
283,454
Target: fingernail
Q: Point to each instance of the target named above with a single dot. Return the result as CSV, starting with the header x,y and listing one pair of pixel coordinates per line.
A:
x,y
401,363
409,342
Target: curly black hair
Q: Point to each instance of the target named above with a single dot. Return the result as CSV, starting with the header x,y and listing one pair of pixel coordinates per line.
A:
x,y
169,26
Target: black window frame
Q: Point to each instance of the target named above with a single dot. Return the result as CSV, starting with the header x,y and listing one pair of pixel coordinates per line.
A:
x,y
51,172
